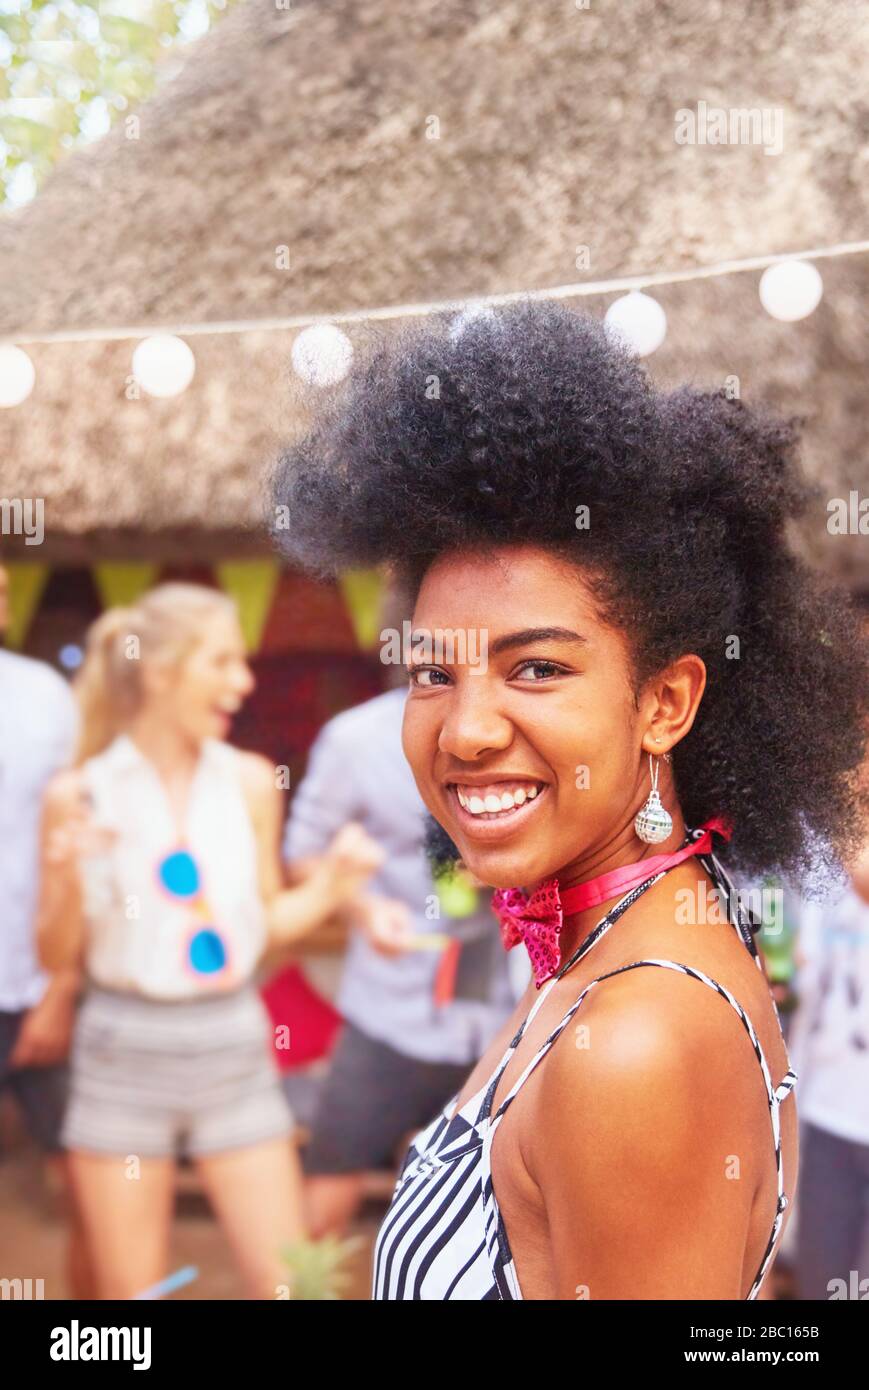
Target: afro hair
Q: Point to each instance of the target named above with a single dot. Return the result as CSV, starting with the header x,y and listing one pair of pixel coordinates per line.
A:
x,y
497,428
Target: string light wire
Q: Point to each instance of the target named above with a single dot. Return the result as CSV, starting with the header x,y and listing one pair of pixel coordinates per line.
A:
x,y
576,290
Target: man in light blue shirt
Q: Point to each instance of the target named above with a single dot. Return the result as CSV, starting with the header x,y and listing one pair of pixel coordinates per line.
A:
x,y
402,1054
829,1047
38,729
38,725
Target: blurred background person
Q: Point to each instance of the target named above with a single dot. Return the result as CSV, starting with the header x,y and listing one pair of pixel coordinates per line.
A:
x,y
161,876
422,992
831,1050
38,723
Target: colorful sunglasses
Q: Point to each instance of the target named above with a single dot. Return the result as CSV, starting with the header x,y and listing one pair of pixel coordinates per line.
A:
x,y
207,950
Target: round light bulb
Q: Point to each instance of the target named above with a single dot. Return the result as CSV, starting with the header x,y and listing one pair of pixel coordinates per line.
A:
x,y
17,375
639,321
163,365
790,290
322,354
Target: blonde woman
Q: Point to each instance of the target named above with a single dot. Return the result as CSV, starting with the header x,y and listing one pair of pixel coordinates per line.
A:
x,y
161,876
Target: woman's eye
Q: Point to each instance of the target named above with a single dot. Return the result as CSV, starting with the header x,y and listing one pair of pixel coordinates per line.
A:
x,y
427,676
542,670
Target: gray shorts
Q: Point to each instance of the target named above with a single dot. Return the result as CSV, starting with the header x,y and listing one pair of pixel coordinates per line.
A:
x,y
157,1079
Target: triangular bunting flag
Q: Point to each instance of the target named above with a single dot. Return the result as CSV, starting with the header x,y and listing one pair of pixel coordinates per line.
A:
x,y
26,583
363,593
252,584
121,584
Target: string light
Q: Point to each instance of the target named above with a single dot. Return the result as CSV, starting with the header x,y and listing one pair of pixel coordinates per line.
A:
x,y
576,290
639,321
322,355
790,289
17,375
163,365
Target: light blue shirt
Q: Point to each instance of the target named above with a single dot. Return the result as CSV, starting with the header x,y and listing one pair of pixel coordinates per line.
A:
x,y
38,727
357,771
829,1045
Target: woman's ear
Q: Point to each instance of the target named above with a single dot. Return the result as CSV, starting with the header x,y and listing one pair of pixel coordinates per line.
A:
x,y
673,699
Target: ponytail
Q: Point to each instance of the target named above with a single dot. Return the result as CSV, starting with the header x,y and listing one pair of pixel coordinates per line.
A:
x,y
107,685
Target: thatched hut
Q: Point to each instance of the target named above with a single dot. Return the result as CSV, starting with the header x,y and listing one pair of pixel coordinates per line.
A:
x,y
373,152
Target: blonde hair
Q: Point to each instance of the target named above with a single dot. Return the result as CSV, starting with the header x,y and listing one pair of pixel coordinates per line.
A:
x,y
162,627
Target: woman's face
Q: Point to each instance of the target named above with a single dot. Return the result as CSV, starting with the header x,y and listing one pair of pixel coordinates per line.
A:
x,y
208,689
547,724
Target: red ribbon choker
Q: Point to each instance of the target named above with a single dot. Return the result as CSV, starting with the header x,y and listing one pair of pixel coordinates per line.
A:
x,y
537,918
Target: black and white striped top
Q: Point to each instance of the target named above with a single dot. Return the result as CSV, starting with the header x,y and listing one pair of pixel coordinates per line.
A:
x,y
443,1236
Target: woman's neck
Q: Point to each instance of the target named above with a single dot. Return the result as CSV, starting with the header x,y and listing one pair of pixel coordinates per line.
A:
x,y
172,751
622,848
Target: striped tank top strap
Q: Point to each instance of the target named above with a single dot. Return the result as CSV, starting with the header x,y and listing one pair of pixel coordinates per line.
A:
x,y
785,1086
591,940
486,1103
548,1043
737,913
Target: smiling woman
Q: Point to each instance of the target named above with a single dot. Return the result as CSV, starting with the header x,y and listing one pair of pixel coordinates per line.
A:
x,y
660,670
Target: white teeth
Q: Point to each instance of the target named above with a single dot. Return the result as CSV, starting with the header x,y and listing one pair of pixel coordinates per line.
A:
x,y
493,803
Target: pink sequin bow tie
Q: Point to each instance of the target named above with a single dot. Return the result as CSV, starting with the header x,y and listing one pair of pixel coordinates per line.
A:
x,y
536,920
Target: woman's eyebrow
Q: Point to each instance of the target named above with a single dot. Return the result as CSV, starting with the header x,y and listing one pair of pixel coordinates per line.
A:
x,y
529,635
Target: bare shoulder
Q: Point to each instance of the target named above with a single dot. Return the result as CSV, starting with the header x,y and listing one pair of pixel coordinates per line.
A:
x,y
634,1026
654,1060
639,1117
686,922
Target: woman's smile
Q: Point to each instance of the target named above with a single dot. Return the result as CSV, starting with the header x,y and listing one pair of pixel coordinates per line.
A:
x,y
496,808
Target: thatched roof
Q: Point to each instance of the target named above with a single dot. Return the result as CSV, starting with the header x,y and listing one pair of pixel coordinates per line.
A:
x,y
307,129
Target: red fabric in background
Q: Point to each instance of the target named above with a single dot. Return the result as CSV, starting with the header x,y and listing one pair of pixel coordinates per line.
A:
x,y
312,1021
445,979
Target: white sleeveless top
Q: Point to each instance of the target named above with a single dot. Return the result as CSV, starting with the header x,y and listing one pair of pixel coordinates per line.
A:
x,y
166,919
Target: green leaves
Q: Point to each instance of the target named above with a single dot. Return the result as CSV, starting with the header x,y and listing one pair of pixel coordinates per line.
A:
x,y
316,1266
57,58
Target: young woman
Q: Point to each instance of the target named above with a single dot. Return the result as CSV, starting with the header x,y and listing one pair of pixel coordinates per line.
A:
x,y
618,557
161,874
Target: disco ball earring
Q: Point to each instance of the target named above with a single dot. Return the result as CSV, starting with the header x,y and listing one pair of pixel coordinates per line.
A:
x,y
653,823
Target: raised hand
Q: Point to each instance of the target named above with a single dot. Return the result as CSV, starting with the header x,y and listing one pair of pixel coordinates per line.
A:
x,y
77,837
386,923
352,857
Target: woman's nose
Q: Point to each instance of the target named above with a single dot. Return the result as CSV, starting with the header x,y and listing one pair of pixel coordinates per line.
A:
x,y
473,725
